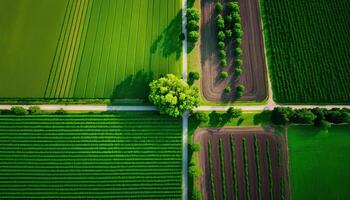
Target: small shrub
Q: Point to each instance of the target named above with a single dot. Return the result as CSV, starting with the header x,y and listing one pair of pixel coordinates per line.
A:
x,y
222,54
238,72
223,62
17,110
219,7
239,94
223,75
227,89
238,51
221,45
228,19
201,117
234,113
194,75
221,36
240,88
220,23
233,6
238,33
60,112
192,25
237,27
34,110
194,171
238,63
195,147
193,36
228,34
192,14
236,17
238,42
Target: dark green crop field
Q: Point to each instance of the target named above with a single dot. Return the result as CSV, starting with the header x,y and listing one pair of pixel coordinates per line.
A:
x,y
319,162
117,156
87,48
308,50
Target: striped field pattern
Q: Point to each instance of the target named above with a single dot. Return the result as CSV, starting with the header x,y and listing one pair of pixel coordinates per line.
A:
x,y
113,48
117,156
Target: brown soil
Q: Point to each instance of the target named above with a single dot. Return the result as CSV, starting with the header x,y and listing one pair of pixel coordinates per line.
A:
x,y
279,169
254,69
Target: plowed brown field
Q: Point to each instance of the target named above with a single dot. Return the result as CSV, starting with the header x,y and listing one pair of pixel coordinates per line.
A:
x,y
268,143
254,67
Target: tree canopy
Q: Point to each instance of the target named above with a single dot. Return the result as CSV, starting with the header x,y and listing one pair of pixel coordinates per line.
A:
x,y
173,96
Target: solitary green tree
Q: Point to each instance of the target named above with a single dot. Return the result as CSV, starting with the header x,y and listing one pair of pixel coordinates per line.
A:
x,y
173,96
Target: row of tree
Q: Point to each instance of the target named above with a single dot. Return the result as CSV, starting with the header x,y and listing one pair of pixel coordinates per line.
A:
x,y
228,25
320,117
192,26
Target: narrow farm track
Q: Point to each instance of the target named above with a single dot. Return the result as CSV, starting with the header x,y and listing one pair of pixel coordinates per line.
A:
x,y
118,156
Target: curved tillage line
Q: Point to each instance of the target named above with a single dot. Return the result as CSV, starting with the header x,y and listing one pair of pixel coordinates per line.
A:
x,y
71,49
64,49
81,50
68,51
59,47
82,18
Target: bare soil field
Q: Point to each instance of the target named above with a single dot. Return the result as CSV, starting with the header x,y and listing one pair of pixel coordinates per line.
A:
x,y
270,179
254,65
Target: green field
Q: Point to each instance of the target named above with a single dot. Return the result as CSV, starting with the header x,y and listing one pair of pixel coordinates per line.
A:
x,y
308,50
87,48
319,162
117,156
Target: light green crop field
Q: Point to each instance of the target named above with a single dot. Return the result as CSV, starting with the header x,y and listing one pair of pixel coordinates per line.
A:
x,y
319,162
87,48
117,156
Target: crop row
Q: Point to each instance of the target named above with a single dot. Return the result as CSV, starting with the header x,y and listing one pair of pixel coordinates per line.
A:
x,y
59,160
211,170
246,167
316,55
234,166
257,164
269,167
222,164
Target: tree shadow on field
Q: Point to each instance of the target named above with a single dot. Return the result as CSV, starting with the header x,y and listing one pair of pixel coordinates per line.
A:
x,y
134,86
169,42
